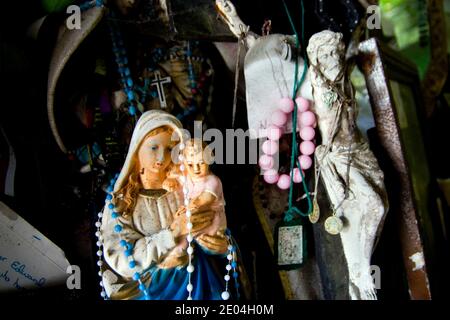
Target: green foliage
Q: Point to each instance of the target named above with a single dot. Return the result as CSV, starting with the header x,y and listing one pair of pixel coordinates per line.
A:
x,y
55,5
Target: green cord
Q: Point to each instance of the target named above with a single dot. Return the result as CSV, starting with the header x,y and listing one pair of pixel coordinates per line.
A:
x,y
291,213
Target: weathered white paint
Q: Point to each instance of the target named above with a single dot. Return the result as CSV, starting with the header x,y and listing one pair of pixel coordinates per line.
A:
x,y
418,260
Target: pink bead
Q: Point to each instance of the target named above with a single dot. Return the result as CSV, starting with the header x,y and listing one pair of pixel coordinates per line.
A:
x,y
302,104
286,105
305,162
279,118
297,175
307,133
265,162
270,147
307,118
274,133
284,182
271,176
307,148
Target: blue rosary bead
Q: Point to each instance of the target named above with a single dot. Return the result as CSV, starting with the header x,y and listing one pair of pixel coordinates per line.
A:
x,y
114,215
235,275
128,252
98,3
129,246
109,189
132,264
132,111
237,285
127,71
136,276
129,82
123,243
130,95
234,264
109,197
111,206
142,287
117,228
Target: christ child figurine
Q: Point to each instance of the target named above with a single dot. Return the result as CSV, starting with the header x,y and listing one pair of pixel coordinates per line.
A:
x,y
204,189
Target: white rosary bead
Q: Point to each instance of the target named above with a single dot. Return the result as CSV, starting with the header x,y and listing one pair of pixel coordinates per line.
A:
x,y
182,167
225,295
190,268
100,214
189,226
99,244
99,253
190,287
190,250
99,263
101,283
182,146
100,273
97,234
180,157
103,294
230,257
228,267
98,224
189,238
186,202
230,247
227,277
185,191
188,213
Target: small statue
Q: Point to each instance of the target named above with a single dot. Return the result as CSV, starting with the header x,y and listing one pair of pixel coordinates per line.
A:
x,y
204,190
144,224
346,165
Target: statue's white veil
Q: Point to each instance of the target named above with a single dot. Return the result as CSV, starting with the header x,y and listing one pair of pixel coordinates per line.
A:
x,y
149,121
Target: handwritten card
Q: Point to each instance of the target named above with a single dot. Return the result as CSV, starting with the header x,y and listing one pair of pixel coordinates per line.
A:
x,y
28,260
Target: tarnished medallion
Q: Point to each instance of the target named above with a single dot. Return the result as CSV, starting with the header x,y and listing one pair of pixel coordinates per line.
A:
x,y
315,214
333,225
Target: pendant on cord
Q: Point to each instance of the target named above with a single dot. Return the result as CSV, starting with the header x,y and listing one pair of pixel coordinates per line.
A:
x,y
290,244
159,83
334,225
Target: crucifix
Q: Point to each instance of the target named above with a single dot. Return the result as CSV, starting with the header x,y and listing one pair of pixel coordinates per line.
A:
x,y
159,83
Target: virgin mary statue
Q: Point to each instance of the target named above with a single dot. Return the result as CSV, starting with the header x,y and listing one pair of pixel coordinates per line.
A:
x,y
143,223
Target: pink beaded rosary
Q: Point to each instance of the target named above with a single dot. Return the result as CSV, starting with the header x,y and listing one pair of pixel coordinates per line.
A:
x,y
307,122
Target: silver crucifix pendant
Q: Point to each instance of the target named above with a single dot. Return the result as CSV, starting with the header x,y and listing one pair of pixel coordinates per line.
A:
x,y
159,83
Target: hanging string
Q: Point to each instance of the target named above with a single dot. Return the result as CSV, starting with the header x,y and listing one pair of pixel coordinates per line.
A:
x,y
236,73
293,211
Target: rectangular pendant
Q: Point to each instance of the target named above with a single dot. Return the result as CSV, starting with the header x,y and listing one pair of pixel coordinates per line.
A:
x,y
290,246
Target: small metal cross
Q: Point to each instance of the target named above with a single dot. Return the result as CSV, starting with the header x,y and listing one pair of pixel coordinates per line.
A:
x,y
159,83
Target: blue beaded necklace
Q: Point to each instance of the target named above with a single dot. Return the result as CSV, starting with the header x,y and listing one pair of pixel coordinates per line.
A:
x,y
157,56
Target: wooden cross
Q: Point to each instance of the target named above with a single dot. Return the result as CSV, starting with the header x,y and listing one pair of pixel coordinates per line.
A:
x,y
159,83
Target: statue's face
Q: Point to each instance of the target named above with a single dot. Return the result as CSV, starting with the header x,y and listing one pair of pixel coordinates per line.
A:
x,y
195,163
330,59
155,152
126,6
